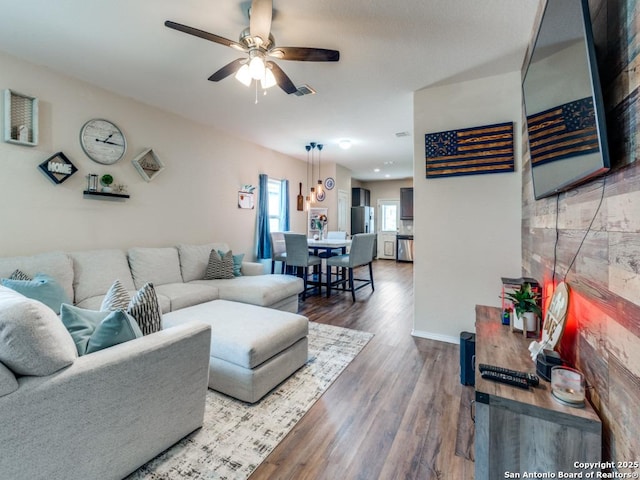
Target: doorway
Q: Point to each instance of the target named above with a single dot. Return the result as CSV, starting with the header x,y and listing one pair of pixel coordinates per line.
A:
x,y
388,213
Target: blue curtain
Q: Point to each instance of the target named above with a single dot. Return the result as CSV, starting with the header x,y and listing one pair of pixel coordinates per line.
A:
x,y
263,243
284,205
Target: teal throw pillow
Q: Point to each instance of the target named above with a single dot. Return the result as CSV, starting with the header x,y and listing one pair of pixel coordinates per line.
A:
x,y
92,330
43,288
237,262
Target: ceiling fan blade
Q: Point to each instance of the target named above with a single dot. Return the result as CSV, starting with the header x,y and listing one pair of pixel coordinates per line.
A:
x,y
228,69
206,35
260,19
305,54
283,81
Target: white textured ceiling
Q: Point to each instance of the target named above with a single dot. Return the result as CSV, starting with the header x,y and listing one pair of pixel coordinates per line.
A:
x,y
388,50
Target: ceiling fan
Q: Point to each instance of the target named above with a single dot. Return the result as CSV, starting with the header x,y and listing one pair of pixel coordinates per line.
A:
x,y
259,44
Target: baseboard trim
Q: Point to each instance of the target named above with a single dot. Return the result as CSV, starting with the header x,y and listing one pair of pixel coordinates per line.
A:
x,y
435,336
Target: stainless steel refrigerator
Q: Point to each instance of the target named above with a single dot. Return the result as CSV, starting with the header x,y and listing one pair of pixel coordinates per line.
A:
x,y
362,220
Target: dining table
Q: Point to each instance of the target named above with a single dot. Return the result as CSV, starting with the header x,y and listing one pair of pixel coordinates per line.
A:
x,y
328,245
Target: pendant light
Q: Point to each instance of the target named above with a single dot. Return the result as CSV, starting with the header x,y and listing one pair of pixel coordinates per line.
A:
x,y
308,148
319,188
313,190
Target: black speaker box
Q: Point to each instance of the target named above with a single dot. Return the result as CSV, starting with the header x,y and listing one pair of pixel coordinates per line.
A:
x,y
467,358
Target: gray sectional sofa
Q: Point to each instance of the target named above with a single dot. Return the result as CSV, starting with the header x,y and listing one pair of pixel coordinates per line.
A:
x,y
106,413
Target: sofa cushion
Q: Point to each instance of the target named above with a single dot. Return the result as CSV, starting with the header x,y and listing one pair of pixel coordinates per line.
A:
x,y
34,340
183,295
8,382
194,259
43,288
220,266
155,265
95,271
56,264
96,330
261,290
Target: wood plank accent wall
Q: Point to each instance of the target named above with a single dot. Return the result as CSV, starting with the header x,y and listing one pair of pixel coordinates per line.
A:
x,y
603,336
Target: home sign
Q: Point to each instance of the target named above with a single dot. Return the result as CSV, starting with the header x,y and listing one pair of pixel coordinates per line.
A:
x,y
58,168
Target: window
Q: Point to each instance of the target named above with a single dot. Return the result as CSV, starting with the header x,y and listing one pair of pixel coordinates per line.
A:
x,y
389,220
274,205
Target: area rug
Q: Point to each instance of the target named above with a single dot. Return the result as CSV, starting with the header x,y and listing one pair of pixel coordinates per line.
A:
x,y
236,437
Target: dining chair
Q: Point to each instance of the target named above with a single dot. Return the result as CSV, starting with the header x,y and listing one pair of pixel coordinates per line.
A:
x,y
333,235
361,254
336,235
278,251
298,256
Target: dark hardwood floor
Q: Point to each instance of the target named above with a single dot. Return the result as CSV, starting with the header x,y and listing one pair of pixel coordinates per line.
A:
x,y
393,413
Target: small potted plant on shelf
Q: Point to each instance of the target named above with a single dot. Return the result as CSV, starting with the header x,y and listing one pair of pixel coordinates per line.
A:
x,y
526,308
106,180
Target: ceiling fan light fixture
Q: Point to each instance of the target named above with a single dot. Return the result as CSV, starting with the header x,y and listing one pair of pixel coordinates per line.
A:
x,y
257,68
269,79
243,75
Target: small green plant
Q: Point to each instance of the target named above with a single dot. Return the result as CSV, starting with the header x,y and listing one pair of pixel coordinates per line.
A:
x,y
106,180
524,300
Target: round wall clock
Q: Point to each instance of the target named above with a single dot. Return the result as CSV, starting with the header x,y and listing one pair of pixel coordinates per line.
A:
x,y
102,141
329,183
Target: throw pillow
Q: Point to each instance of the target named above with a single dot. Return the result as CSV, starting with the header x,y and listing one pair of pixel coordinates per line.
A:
x,y
220,266
117,298
42,288
237,262
34,340
92,330
145,309
19,275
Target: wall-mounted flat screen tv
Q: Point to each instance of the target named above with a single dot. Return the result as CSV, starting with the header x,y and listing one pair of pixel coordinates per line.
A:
x,y
563,101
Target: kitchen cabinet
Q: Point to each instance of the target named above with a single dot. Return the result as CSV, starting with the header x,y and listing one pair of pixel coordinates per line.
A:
x,y
360,197
406,203
520,430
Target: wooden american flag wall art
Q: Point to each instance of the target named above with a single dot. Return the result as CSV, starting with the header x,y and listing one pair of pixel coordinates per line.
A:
x,y
563,132
470,151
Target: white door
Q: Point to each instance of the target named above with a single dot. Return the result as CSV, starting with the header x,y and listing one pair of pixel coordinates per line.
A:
x,y
388,218
343,210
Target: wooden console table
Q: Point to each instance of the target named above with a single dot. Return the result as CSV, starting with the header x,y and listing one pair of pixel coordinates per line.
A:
x,y
520,430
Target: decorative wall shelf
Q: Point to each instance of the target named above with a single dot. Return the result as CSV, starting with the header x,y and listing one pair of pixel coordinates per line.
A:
x,y
105,195
20,119
148,164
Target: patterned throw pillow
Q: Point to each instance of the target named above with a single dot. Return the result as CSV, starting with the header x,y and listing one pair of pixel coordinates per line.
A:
x,y
145,309
219,266
143,306
117,298
237,263
19,275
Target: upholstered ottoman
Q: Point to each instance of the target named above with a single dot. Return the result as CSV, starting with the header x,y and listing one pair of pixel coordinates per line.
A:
x,y
253,349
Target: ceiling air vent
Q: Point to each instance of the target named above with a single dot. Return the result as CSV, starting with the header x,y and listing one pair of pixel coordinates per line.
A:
x,y
304,90
402,134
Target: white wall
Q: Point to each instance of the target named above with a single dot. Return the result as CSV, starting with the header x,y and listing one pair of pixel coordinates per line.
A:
x,y
467,229
194,200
